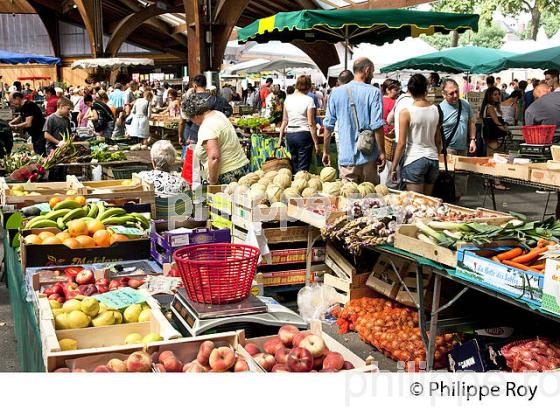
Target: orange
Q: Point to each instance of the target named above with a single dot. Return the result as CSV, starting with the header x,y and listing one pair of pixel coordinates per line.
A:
x,y
53,201
63,236
33,239
81,200
118,238
46,234
85,241
72,243
69,198
102,238
94,226
77,228
52,240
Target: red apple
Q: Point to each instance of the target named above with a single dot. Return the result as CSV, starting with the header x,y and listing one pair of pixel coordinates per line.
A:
x,y
347,366
300,360
299,337
281,355
102,369
115,284
139,362
102,288
164,355
85,277
204,352
314,344
271,346
280,368
63,370
135,283
117,366
318,362
241,365
265,360
287,333
222,359
252,349
334,360
102,281
172,365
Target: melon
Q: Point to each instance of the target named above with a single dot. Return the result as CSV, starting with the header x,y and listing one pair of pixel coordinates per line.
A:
x,y
332,188
290,193
271,174
349,189
315,183
299,184
282,180
366,188
273,193
382,190
328,174
303,175
258,187
285,171
230,189
259,173
308,192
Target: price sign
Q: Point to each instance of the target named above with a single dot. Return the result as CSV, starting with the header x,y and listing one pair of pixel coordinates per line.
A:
x,y
121,298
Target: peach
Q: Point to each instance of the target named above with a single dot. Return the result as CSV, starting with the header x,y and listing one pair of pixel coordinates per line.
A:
x,y
328,370
172,365
252,349
287,333
139,362
281,355
195,367
102,369
222,359
314,344
62,370
280,368
299,337
265,360
334,360
240,365
160,367
78,370
116,365
347,365
164,355
271,346
204,352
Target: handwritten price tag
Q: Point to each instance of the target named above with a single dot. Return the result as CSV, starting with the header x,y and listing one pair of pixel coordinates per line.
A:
x,y
161,284
121,298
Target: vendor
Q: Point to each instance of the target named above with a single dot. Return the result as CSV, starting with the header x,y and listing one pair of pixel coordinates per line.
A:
x,y
218,147
31,120
174,107
163,157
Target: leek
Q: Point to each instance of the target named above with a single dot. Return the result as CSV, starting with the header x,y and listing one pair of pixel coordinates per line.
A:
x,y
425,229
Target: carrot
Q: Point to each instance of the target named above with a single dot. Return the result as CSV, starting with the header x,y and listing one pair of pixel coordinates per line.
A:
x,y
495,259
528,257
515,265
512,253
538,267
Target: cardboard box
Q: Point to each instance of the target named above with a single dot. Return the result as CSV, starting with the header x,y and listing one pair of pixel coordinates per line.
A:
x,y
542,174
474,265
551,287
286,277
59,255
164,243
273,235
285,256
476,355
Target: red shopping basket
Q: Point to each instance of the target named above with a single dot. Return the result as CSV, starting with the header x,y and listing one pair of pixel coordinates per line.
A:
x,y
538,134
217,273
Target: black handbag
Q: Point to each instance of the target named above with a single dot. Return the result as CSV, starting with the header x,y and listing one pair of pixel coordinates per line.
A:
x,y
444,187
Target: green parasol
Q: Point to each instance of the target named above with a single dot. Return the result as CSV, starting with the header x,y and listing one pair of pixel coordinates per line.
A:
x,y
540,59
354,26
452,60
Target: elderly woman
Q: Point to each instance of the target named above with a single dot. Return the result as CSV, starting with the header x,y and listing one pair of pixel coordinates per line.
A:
x,y
163,156
218,147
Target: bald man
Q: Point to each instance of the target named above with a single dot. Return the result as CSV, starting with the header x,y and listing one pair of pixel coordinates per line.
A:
x,y
541,89
545,110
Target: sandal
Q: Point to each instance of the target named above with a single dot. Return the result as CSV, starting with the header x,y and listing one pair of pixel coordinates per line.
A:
x,y
501,187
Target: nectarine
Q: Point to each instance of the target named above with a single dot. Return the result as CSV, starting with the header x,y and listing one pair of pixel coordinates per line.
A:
x,y
334,360
139,362
287,333
252,349
222,359
204,352
271,346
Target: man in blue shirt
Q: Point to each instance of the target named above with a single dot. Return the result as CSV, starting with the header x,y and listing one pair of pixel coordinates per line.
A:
x,y
354,165
459,134
116,99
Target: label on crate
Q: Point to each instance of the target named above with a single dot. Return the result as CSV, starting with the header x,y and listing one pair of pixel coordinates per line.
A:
x,y
127,231
121,298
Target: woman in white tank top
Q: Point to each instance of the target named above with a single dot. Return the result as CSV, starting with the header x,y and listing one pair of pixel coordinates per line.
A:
x,y
419,140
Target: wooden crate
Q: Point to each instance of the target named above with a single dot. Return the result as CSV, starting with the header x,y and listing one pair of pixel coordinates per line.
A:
x,y
273,235
248,210
412,299
383,279
515,171
475,164
406,240
302,210
46,191
488,215
295,255
542,174
219,220
451,159
218,200
285,277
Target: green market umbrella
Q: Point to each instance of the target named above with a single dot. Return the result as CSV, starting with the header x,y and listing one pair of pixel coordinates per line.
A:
x,y
540,59
452,60
354,26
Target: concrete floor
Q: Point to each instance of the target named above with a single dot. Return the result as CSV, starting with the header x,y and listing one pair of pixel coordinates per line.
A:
x,y
518,199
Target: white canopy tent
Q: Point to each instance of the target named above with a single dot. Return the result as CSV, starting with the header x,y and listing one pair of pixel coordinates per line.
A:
x,y
111,63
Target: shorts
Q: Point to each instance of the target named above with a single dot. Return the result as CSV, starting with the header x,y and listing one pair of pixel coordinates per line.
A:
x,y
421,171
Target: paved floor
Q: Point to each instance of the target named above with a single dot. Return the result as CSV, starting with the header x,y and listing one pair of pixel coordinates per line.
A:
x,y
518,199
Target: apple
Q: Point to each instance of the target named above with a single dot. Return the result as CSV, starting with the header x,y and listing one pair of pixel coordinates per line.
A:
x,y
280,368
139,362
172,365
314,344
102,288
287,333
347,365
265,360
318,362
252,349
161,368
300,360
164,355
102,282
334,360
102,369
135,283
222,359
85,277
116,365
240,365
62,370
204,352
114,284
57,297
271,346
299,337
281,355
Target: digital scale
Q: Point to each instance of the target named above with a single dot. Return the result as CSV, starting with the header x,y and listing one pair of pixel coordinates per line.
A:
x,y
535,151
257,315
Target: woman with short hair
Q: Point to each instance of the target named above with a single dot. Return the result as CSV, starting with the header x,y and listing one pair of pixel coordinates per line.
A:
x,y
221,155
298,124
163,157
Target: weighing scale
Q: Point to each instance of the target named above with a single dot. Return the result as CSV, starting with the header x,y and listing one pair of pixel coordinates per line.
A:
x,y
535,151
257,315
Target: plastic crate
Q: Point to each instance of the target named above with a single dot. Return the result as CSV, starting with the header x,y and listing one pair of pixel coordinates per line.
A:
x,y
126,172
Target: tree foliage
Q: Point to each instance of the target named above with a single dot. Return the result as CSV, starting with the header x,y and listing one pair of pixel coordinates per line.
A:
x,y
535,8
490,36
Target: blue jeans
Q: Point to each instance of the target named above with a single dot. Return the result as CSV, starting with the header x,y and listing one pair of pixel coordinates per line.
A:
x,y
421,171
300,145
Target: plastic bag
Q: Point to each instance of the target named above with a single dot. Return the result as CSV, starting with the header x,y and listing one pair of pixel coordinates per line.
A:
x,y
315,300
